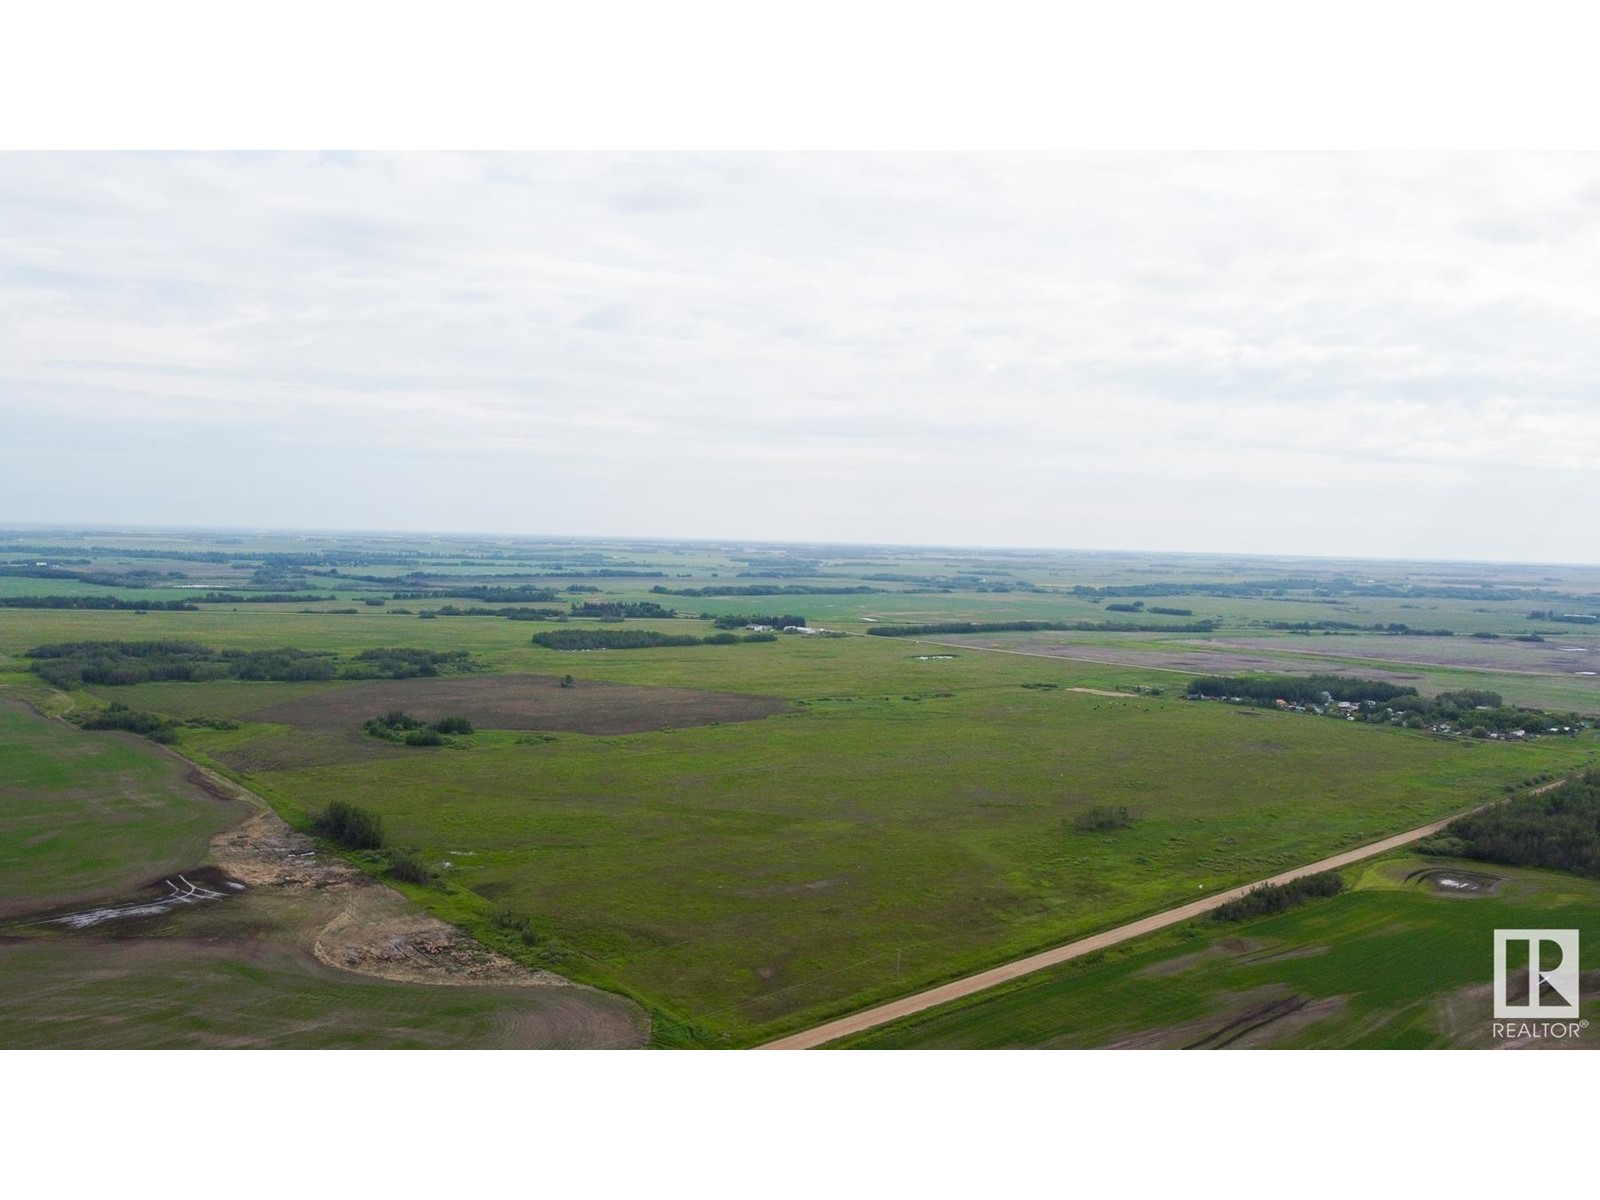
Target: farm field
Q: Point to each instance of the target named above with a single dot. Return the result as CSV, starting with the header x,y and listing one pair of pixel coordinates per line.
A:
x,y
1401,961
747,839
1396,660
95,952
84,816
753,875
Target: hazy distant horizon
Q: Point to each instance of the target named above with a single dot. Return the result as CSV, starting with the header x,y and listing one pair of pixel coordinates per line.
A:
x,y
1390,352
10,529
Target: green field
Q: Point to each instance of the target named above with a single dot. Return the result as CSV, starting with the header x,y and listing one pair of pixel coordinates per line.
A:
x,y
1391,964
908,814
161,993
87,815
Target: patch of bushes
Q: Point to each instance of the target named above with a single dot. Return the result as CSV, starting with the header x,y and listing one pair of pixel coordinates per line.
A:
x,y
130,720
351,827
407,662
211,723
407,866
1269,898
402,727
636,639
518,924
1102,818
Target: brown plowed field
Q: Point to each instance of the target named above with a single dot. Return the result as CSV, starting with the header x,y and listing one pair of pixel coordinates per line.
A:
x,y
532,702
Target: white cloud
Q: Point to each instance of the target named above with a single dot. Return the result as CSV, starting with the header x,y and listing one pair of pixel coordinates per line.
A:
x,y
1273,353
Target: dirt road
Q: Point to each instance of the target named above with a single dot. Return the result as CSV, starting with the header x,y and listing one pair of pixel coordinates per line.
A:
x,y
972,984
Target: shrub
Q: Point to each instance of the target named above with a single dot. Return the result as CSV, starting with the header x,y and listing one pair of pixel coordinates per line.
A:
x,y
1278,897
453,725
351,827
407,865
1103,817
426,736
147,724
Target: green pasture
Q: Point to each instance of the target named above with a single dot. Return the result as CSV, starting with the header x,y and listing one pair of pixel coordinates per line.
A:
x,y
755,877
1396,965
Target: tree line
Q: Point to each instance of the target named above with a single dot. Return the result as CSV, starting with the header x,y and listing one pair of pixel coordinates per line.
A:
x,y
1558,829
106,603
636,639
952,627
114,663
740,620
762,589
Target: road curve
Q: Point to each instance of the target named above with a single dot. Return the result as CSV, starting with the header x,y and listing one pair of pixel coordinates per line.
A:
x,y
871,1018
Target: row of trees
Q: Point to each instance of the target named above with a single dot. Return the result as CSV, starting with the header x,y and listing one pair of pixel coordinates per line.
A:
x,y
619,610
107,603
1299,689
1278,897
740,620
953,627
636,639
116,663
763,589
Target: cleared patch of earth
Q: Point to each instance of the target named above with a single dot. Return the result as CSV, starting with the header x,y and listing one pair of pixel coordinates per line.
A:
x,y
1260,1017
1466,1016
1450,881
269,890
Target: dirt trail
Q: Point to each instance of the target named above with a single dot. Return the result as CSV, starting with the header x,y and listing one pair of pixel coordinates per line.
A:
x,y
972,984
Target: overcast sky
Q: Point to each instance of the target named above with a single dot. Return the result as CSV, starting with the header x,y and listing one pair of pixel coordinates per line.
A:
x,y
1327,356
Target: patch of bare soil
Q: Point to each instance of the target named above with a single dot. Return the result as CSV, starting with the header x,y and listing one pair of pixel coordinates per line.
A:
x,y
1175,656
1466,1016
1225,948
375,931
530,702
1449,881
1104,692
1260,1017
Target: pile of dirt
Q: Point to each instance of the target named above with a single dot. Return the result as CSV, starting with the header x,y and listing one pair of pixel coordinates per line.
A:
x,y
375,931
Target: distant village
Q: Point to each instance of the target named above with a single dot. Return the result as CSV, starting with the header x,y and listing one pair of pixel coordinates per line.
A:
x,y
1375,712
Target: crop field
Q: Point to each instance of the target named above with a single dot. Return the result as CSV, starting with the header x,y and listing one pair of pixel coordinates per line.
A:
x,y
177,994
1394,659
748,839
85,816
1399,962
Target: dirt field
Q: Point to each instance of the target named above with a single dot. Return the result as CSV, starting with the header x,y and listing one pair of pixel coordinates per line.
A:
x,y
1555,656
1176,657
531,702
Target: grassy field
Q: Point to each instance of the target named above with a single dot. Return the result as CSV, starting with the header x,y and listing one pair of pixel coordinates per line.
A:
x,y
1392,964
758,876
88,815
897,813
